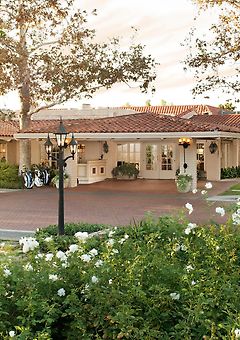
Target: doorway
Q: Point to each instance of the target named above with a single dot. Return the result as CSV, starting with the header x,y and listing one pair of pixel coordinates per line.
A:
x,y
159,160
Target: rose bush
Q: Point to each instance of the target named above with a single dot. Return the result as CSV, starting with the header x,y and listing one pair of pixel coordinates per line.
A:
x,y
164,278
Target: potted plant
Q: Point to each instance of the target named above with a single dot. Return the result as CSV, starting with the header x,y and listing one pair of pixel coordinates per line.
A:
x,y
184,182
125,171
55,180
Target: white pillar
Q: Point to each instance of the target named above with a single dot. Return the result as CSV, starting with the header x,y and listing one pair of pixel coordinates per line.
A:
x,y
191,160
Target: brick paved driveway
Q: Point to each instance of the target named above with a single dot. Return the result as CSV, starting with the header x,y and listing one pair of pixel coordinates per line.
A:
x,y
111,202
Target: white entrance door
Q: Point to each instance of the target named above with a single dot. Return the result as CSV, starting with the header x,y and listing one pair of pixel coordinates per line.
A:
x,y
167,160
158,161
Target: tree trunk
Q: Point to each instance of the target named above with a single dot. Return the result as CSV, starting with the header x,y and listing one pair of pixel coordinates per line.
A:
x,y
24,154
25,98
24,145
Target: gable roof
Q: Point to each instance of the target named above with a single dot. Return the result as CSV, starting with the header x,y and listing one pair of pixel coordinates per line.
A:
x,y
140,122
177,110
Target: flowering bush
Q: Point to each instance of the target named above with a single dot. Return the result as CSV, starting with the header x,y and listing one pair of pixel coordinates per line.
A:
x,y
164,278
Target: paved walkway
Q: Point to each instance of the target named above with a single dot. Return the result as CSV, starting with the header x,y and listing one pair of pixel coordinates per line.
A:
x,y
109,202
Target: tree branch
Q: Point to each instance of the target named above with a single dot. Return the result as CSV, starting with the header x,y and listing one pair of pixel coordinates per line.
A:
x,y
44,44
47,106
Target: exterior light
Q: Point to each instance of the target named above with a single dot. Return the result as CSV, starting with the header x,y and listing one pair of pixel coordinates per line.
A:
x,y
61,135
213,147
48,146
61,138
73,146
184,142
105,147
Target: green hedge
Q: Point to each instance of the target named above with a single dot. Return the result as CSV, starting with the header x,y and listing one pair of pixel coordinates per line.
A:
x,y
9,176
161,279
70,230
231,172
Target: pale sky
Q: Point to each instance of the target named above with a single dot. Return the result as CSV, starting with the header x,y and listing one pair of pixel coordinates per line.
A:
x,y
163,25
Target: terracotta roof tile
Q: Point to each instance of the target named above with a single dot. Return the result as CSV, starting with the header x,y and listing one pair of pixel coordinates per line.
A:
x,y
177,110
224,119
8,128
141,122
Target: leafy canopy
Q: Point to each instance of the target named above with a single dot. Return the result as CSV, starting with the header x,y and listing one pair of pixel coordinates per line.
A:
x,y
49,55
215,56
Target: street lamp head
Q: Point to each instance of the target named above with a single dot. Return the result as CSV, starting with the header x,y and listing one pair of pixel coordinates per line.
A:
x,y
61,135
73,146
48,146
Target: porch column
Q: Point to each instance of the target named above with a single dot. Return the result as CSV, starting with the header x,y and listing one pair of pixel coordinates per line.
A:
x,y
191,160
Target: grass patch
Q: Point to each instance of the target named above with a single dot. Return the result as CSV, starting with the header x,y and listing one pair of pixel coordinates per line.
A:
x,y
234,190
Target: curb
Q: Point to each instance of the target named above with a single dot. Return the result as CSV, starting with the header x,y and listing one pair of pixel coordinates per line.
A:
x,y
233,198
14,235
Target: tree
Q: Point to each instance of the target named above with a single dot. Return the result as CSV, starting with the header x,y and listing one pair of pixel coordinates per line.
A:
x,y
50,56
228,106
215,58
148,102
6,114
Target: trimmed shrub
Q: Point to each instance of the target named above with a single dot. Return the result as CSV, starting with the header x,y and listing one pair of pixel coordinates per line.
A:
x,y
231,172
71,229
9,176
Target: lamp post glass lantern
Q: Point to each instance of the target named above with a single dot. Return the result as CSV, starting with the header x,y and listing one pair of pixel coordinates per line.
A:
x,y
61,137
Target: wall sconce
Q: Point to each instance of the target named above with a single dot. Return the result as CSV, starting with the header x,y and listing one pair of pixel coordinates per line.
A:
x,y
213,147
105,147
184,142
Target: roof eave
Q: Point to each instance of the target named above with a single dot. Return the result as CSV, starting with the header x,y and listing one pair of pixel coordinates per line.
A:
x,y
139,135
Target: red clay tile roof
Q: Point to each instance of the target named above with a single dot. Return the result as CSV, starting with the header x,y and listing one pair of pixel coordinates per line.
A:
x,y
8,128
177,110
225,119
133,123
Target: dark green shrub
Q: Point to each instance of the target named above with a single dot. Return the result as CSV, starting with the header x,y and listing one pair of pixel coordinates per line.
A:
x,y
71,229
9,176
231,172
125,169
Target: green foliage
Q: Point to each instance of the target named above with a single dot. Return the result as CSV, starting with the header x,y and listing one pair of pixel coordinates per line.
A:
x,y
183,181
233,190
211,51
152,280
70,230
125,169
42,52
228,106
9,176
231,172
55,178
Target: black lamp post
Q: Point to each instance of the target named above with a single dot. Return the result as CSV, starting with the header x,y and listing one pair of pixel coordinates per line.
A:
x,y
61,135
185,142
